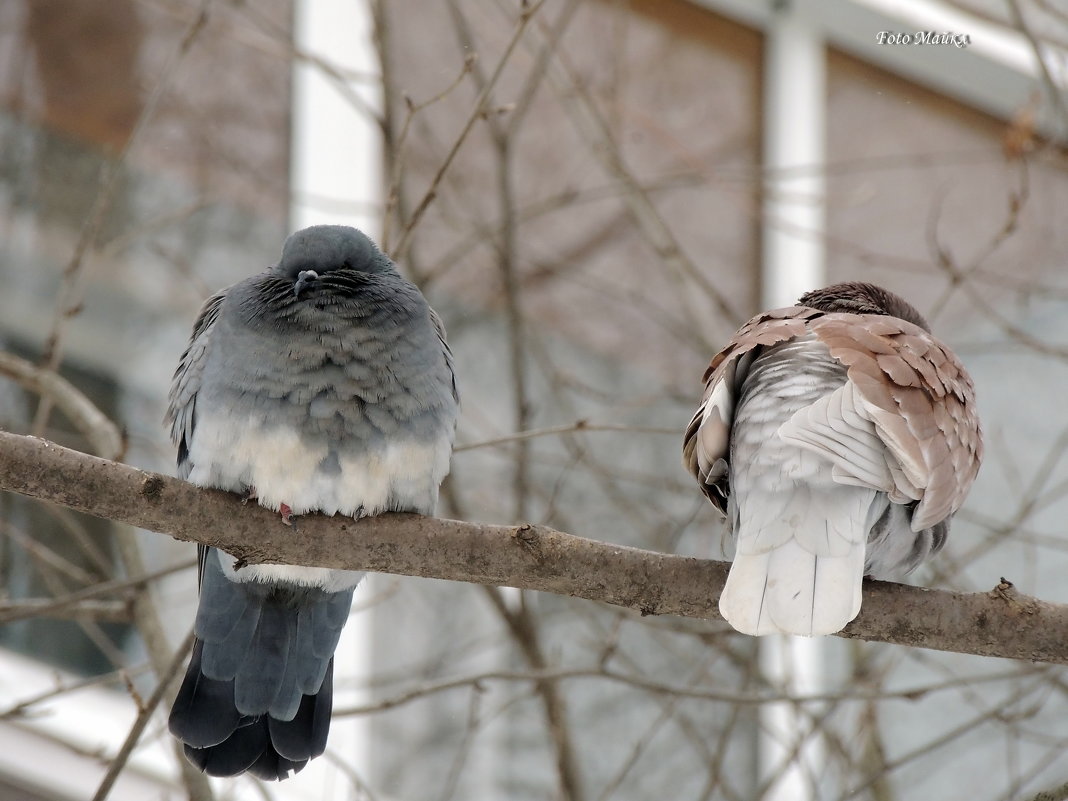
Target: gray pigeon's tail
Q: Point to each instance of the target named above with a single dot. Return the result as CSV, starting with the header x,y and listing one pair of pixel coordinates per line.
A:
x,y
222,742
257,695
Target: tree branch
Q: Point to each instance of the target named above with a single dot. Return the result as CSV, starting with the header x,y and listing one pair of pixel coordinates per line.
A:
x,y
1000,623
101,611
103,435
144,716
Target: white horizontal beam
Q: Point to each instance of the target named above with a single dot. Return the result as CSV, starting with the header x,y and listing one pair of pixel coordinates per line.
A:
x,y
997,72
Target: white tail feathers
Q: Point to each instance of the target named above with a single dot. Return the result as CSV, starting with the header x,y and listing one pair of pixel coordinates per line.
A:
x,y
790,590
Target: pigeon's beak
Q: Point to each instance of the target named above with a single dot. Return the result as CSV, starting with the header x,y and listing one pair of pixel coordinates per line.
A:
x,y
304,277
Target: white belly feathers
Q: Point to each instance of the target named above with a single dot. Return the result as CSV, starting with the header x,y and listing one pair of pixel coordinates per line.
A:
x,y
284,468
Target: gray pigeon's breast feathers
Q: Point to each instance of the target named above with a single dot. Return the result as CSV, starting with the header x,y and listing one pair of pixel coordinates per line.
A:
x,y
340,401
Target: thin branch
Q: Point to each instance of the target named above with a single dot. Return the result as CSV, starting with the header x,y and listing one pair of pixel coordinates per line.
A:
x,y
399,145
639,682
950,736
24,707
524,630
149,622
45,557
463,749
344,764
591,126
1002,622
1053,91
103,435
578,425
106,611
166,678
638,749
69,302
53,581
106,439
56,607
507,257
477,112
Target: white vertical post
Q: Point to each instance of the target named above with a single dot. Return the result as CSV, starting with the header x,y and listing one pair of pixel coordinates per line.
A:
x,y
794,152
336,177
336,152
794,261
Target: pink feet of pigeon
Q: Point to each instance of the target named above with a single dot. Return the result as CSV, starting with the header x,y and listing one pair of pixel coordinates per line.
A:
x,y
285,511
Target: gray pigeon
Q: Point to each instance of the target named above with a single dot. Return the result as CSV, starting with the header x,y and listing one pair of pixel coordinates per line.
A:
x,y
323,384
838,436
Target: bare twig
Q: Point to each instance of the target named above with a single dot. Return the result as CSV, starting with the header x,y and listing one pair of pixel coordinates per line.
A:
x,y
344,764
24,707
637,749
107,611
103,435
398,143
45,557
1054,92
591,125
959,275
56,606
946,737
477,112
728,695
168,676
577,426
71,289
463,750
106,439
507,257
523,628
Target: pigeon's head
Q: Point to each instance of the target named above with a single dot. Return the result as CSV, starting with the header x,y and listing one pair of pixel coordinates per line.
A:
x,y
857,297
312,253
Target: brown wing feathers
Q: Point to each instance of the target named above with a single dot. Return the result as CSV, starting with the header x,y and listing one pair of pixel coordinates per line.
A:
x,y
920,398
925,402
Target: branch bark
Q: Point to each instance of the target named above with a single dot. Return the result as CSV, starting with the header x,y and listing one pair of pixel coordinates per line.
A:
x,y
1002,622
103,435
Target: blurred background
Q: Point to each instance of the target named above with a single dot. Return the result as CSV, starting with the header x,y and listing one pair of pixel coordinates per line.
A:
x,y
594,194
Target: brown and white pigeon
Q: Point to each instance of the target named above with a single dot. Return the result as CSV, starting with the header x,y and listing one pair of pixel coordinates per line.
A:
x,y
838,436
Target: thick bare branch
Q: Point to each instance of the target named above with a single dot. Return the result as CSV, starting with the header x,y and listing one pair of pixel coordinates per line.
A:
x,y
999,623
103,435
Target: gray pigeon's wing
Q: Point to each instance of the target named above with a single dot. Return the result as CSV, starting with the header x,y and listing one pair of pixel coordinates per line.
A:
x,y
439,329
182,402
706,446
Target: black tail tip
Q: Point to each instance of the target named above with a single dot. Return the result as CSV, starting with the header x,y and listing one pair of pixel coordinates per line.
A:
x,y
220,762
